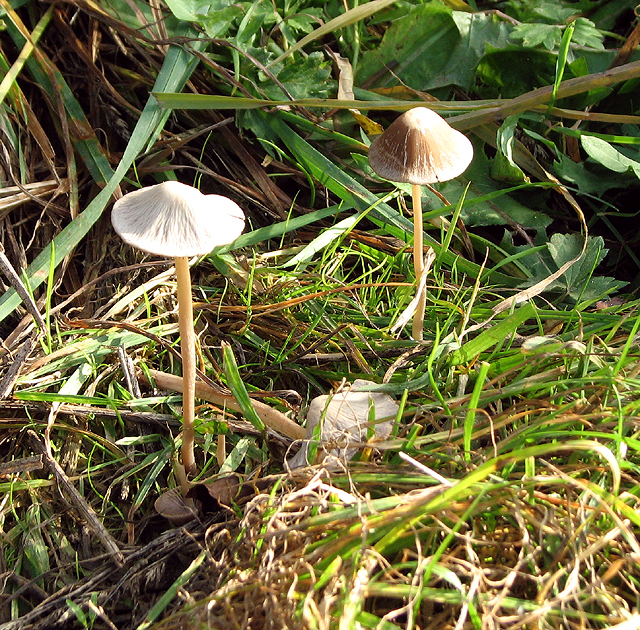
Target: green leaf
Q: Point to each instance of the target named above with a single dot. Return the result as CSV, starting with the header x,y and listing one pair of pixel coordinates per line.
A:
x,y
477,30
346,19
561,63
581,176
161,604
36,552
237,455
578,282
586,34
218,23
257,15
78,612
325,237
601,151
96,346
514,70
415,60
185,9
499,207
533,35
504,171
306,78
550,11
505,137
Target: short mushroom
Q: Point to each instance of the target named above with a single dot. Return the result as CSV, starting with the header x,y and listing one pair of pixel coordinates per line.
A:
x,y
418,148
346,422
176,220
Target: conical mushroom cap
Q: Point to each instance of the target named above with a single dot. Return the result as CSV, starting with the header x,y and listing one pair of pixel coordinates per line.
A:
x,y
173,219
420,147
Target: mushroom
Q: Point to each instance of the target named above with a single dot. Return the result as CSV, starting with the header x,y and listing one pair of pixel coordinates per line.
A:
x,y
346,423
176,220
418,148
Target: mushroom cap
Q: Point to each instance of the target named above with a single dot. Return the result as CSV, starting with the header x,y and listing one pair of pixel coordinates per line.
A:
x,y
173,219
420,147
345,420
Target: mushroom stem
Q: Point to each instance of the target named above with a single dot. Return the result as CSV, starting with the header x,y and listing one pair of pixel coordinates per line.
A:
x,y
418,261
188,351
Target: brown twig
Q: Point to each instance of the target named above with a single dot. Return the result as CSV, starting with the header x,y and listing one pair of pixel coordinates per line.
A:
x,y
12,373
272,418
107,540
543,95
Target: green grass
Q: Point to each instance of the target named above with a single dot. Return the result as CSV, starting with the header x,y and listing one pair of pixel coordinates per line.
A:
x,y
506,493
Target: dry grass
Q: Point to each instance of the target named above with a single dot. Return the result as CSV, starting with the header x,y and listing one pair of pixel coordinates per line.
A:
x,y
531,520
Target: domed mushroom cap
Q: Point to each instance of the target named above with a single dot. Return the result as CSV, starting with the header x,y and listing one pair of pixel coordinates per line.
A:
x,y
173,219
420,147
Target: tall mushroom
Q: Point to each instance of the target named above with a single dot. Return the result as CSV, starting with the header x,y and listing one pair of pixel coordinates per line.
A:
x,y
418,148
175,220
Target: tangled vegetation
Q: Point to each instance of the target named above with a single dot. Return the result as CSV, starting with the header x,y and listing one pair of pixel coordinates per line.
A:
x,y
505,492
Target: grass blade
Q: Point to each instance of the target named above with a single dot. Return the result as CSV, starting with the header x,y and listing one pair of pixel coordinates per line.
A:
x,y
346,19
177,68
239,391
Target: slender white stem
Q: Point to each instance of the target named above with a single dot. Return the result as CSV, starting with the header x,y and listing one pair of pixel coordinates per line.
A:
x,y
221,451
418,258
188,351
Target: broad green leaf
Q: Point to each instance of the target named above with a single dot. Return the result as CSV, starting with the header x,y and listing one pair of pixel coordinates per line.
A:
x,y
488,203
308,77
476,31
192,10
415,60
601,151
218,23
578,283
346,19
532,35
546,11
506,172
515,71
586,34
581,176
